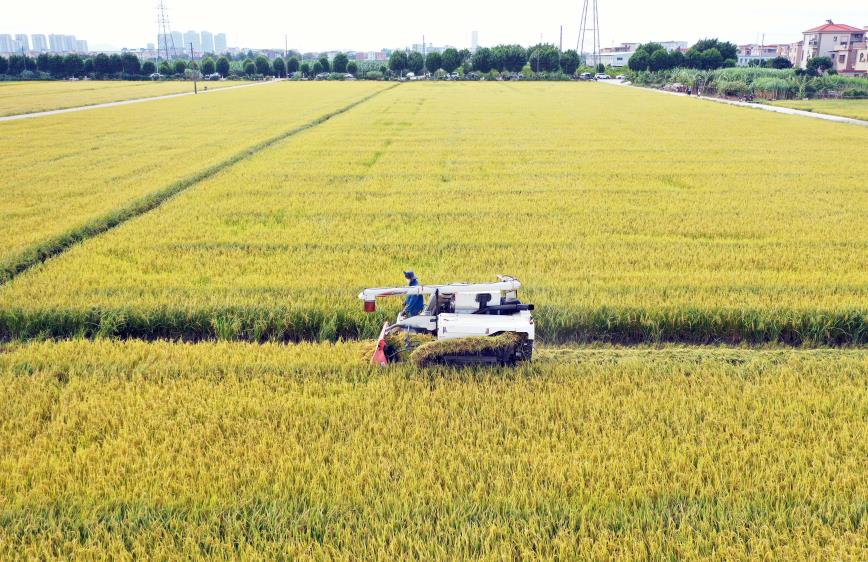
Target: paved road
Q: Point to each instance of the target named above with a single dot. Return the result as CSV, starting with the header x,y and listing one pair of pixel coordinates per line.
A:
x,y
127,102
764,107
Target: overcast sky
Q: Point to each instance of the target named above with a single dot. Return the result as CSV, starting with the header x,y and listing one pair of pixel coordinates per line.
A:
x,y
374,24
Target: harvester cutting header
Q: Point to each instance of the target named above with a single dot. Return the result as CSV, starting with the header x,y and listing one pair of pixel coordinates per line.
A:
x,y
461,323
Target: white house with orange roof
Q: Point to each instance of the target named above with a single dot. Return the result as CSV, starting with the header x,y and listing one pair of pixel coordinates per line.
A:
x,y
841,43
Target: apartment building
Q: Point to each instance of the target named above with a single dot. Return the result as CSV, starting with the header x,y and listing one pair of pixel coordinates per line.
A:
x,y
840,42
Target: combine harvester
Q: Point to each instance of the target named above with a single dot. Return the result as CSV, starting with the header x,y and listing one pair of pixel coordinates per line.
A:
x,y
461,324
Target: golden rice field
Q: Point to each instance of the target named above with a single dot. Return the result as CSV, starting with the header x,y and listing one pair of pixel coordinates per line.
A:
x,y
30,97
629,216
855,109
131,450
65,172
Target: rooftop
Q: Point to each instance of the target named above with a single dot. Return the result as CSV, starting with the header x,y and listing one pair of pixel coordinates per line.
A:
x,y
830,27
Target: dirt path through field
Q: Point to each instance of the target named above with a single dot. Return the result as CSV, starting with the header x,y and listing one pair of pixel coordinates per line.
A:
x,y
127,102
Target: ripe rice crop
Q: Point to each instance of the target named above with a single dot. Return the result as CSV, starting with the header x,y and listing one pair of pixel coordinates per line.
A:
x,y
30,97
63,172
156,450
629,216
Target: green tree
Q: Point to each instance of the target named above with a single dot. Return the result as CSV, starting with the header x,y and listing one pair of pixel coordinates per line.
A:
x,y
433,62
292,65
450,60
304,68
570,62
222,66
43,62
316,68
73,65
398,61
340,63
511,58
130,64
726,49
101,64
601,68
482,60
324,64
180,67
352,67
165,68
262,65
779,62
88,66
208,66
116,63
4,65
543,58
416,63
816,66
711,59
15,65
249,67
676,59
659,60
148,68
279,67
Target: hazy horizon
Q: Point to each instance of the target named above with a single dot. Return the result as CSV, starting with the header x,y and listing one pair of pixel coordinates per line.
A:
x,y
346,25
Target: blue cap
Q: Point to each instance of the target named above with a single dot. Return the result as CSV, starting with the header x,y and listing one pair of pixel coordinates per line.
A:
x,y
409,275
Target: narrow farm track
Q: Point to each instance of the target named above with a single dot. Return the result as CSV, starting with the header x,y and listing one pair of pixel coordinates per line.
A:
x,y
52,247
764,107
20,116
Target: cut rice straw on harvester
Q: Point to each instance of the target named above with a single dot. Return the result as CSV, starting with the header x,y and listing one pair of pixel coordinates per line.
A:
x,y
432,353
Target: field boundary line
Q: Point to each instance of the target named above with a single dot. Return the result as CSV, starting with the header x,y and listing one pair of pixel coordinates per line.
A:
x,y
42,251
60,111
762,106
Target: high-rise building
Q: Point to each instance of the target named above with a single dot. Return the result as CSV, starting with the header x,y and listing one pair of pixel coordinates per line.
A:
x,y
178,39
220,43
80,46
6,45
207,42
474,41
192,38
23,43
55,43
39,42
69,43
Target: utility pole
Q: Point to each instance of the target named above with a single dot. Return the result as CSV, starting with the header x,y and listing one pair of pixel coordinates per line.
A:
x,y
560,47
195,70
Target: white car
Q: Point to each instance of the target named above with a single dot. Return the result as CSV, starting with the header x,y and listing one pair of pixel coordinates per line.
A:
x,y
601,76
620,77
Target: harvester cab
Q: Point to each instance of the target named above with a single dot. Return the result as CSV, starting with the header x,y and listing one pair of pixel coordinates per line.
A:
x,y
462,314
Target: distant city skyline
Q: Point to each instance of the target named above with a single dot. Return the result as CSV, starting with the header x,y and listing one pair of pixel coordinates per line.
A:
x,y
390,24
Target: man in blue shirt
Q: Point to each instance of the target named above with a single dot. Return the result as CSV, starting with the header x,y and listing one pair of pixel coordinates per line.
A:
x,y
413,303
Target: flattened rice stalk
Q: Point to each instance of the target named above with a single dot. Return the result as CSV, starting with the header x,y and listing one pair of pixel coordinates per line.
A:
x,y
399,345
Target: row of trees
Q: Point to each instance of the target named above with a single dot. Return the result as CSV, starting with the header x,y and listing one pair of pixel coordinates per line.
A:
x,y
708,54
502,58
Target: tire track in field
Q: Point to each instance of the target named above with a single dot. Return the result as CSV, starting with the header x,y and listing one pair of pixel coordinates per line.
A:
x,y
42,251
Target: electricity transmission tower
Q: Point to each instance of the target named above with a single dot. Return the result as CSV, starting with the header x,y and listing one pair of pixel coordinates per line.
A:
x,y
592,26
165,41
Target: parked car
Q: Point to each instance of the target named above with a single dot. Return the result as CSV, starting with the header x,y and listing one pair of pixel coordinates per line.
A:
x,y
349,76
601,76
585,76
322,76
156,76
214,76
620,77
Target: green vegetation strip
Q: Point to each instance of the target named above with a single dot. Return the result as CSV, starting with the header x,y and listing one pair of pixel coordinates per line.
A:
x,y
40,252
616,325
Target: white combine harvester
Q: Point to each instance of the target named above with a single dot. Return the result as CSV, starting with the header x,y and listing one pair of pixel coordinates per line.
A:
x,y
462,310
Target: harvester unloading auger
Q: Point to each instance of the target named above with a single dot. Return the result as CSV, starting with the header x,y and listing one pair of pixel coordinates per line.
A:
x,y
461,323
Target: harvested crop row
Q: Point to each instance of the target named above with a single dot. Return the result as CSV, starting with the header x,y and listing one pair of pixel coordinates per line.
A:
x,y
145,450
629,217
62,171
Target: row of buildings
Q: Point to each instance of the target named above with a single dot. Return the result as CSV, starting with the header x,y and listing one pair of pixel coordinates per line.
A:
x,y
620,54
844,44
202,42
39,43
